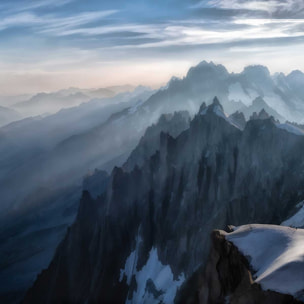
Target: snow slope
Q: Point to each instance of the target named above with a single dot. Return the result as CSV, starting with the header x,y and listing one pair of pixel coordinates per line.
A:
x,y
290,128
297,220
218,110
155,281
276,253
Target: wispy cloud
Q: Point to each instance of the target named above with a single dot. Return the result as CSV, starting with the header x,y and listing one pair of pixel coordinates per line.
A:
x,y
54,35
273,7
188,32
21,19
20,6
51,23
57,25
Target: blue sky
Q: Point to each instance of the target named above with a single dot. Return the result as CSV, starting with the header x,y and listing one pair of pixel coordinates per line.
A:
x,y
51,44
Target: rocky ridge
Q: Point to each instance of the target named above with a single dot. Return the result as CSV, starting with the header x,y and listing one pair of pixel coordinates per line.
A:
x,y
228,278
159,214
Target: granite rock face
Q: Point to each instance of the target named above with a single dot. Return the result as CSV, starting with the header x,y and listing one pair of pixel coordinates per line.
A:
x,y
227,278
259,105
239,119
149,232
173,124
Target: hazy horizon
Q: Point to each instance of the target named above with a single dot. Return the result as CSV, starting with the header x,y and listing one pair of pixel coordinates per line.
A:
x,y
51,45
134,85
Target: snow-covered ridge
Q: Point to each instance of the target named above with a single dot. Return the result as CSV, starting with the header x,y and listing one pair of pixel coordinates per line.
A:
x,y
276,253
217,109
290,128
155,281
297,220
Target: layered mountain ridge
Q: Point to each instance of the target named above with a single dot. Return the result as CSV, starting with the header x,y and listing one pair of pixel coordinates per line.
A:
x,y
8,115
212,174
200,83
45,158
45,217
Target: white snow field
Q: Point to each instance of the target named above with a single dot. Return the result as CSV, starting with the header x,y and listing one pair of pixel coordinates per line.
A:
x,y
156,273
276,253
297,220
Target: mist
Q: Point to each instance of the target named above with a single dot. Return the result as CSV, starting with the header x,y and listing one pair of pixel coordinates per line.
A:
x,y
51,157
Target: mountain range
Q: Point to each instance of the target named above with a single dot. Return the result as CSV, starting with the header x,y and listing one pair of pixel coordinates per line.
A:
x,y
162,169
8,115
144,236
50,103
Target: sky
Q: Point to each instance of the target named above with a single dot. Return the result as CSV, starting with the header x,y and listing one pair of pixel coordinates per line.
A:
x,y
46,45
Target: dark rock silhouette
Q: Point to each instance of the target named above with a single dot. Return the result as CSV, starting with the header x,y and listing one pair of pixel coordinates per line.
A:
x,y
162,211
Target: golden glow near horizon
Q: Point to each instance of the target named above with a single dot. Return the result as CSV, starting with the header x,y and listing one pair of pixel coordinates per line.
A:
x,y
153,74
50,45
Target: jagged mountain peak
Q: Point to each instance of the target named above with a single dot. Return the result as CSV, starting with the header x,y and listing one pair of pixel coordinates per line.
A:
x,y
257,105
238,114
210,64
238,118
256,71
258,78
259,101
172,124
173,116
296,74
207,67
254,116
216,102
261,115
202,107
214,108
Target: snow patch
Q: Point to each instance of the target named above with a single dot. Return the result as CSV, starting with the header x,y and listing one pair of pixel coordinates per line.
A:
x,y
297,220
290,128
204,112
154,281
131,262
217,110
276,253
128,270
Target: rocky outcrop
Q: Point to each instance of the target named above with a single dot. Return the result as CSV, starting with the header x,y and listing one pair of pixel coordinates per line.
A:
x,y
173,124
159,214
227,278
259,105
96,182
260,115
238,119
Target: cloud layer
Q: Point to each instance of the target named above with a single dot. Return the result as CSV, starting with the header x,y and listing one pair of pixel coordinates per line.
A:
x,y
70,37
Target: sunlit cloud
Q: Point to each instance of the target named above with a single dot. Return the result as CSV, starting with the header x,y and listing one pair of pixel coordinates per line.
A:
x,y
11,6
173,34
271,6
51,24
53,37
